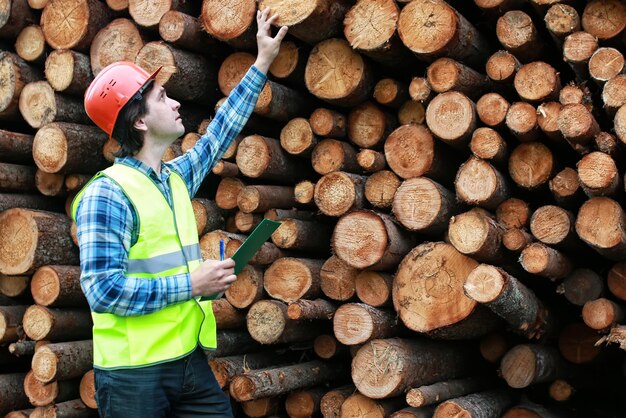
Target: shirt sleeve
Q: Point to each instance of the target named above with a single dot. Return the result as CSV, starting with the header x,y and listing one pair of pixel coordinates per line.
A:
x,y
105,220
229,120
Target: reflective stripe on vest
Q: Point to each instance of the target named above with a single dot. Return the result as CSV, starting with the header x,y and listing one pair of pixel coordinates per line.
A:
x,y
167,245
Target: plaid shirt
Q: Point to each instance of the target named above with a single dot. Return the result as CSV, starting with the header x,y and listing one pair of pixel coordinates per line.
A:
x,y
107,222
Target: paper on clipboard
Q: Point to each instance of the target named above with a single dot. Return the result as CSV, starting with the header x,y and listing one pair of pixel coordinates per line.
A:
x,y
250,246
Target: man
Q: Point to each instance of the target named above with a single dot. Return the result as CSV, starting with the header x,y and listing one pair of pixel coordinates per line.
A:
x,y
142,271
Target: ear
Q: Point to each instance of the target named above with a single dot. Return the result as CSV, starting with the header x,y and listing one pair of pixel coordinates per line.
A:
x,y
140,125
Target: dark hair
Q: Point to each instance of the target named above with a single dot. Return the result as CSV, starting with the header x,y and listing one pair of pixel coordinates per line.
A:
x,y
130,139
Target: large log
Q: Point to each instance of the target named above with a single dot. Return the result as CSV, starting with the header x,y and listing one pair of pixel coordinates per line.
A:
x,y
423,205
554,226
337,74
528,364
28,201
311,22
226,368
15,73
311,309
357,323
42,394
247,289
490,403
391,93
289,279
501,67
40,104
66,147
83,19
259,199
599,175
68,71
14,286
602,314
296,234
233,342
613,95
600,224
477,234
208,215
262,157
62,360
577,124
262,407
337,193
227,191
537,82
185,75
365,239
481,184
31,239
565,187
330,404
268,323
338,279
604,19
451,117
562,20
120,40
290,63
50,184
380,188
232,21
511,300
17,178
281,380
12,394
389,367
41,323
421,279
58,286
433,28
87,390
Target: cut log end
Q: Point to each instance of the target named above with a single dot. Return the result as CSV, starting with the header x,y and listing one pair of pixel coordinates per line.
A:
x,y
451,116
266,322
231,25
537,82
45,364
484,284
427,30
335,193
360,238
369,25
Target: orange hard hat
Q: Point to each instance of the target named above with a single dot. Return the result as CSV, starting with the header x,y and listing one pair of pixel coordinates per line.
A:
x,y
111,89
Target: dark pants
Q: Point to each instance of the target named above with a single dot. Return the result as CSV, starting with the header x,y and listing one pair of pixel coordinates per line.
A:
x,y
181,388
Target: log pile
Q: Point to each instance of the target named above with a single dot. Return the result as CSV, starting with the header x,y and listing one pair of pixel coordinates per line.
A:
x,y
449,175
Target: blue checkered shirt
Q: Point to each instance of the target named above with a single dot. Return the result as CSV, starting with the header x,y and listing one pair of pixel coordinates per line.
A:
x,y
107,222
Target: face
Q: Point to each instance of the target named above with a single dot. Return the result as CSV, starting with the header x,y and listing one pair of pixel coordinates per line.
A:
x,y
162,122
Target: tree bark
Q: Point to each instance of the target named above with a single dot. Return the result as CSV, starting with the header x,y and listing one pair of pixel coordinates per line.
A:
x,y
528,364
490,403
374,288
337,193
12,391
67,147
389,367
15,15
531,165
311,309
451,117
600,224
481,184
261,157
605,64
68,409
22,348
328,123
432,28
233,342
477,234
120,40
337,74
289,279
258,199
423,205
31,239
16,147
357,323
380,189
432,394
545,261
331,155
365,239
41,323
58,286
226,368
11,323
17,178
583,285
338,279
40,105
62,361
281,380
510,299
537,82
310,236
268,323
225,169
25,201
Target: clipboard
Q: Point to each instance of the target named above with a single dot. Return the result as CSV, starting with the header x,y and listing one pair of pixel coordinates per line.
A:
x,y
250,246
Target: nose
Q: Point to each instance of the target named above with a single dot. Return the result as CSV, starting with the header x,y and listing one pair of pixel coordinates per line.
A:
x,y
175,105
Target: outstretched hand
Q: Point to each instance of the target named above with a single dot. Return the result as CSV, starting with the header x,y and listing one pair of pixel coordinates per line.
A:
x,y
267,46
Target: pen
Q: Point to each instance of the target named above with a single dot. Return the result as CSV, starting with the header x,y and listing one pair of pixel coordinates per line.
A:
x,y
221,250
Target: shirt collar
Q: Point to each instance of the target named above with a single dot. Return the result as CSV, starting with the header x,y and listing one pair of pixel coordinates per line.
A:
x,y
145,168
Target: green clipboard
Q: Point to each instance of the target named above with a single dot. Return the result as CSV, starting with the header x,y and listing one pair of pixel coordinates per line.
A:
x,y
249,247
255,240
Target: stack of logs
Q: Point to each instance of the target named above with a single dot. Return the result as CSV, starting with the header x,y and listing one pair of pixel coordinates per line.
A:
x,y
448,175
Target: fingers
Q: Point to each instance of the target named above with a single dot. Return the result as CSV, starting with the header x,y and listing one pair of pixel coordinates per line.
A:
x,y
281,34
228,263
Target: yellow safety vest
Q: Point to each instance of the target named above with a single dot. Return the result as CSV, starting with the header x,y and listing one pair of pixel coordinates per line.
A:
x,y
167,245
